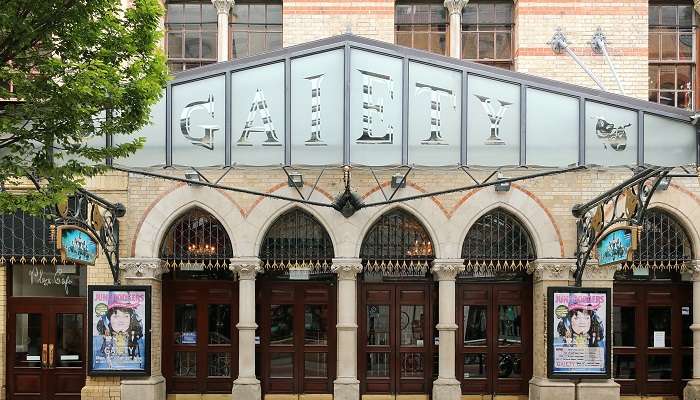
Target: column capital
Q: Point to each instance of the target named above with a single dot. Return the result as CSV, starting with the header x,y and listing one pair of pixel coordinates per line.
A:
x,y
693,267
551,269
246,267
595,272
223,6
447,269
455,6
141,268
347,268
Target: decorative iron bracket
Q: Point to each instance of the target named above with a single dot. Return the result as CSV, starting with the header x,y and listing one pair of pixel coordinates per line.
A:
x,y
626,204
99,217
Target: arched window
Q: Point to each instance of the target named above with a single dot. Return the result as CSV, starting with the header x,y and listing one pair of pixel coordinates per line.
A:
x,y
297,239
662,242
398,244
196,238
497,241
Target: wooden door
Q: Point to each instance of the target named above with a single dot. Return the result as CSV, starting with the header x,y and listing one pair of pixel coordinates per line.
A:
x,y
199,331
652,352
297,336
46,348
494,338
396,338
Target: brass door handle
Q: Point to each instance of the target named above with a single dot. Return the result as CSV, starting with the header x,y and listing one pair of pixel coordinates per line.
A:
x,y
51,356
44,356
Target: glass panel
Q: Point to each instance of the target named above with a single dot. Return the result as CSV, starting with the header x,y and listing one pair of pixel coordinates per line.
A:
x,y
185,363
624,366
659,367
486,45
317,110
546,113
41,280
685,16
412,323
28,340
192,44
668,15
469,41
412,365
219,323
69,341
315,365
316,324
503,45
240,44
493,129
659,320
683,77
654,45
174,44
185,324
611,135
420,41
209,44
475,325
377,364
281,324
669,50
198,121
653,77
623,325
257,115
509,365
486,13
474,365
377,325
509,325
654,14
685,44
686,321
219,364
687,366
435,109
667,78
282,365
375,108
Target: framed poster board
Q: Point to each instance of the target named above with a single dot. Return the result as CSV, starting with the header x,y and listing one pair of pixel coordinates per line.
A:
x,y
578,321
120,330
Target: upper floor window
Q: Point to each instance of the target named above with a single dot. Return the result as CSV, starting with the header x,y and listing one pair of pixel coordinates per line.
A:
x,y
487,32
422,26
256,27
672,54
191,34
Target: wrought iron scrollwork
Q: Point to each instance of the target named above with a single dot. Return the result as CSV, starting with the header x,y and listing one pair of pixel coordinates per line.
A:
x,y
626,204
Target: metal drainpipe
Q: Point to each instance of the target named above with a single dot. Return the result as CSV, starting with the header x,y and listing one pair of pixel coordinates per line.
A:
x,y
599,46
559,44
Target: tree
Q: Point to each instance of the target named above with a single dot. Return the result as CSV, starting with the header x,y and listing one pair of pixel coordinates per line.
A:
x,y
81,71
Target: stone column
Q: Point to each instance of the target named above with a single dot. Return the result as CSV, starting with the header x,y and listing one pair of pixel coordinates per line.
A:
x,y
346,386
546,273
247,386
146,272
446,386
454,8
692,389
222,9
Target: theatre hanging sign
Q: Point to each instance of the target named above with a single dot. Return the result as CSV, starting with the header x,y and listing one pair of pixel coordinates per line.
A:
x,y
578,321
617,246
76,245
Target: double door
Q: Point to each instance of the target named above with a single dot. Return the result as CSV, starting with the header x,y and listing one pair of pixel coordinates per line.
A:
x,y
296,350
46,348
396,339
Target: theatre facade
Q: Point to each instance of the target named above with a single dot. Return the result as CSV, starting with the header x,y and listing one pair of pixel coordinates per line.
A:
x,y
293,229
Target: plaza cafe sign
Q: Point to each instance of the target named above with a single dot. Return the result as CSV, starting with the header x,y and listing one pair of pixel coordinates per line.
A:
x,y
351,100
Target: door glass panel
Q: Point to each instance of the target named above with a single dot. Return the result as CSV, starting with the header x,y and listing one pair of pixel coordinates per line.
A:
x,y
659,327
69,341
412,365
316,324
508,325
185,324
474,365
623,326
659,367
282,365
377,364
474,326
509,365
412,326
48,280
316,365
377,326
281,324
28,340
687,362
186,363
219,364
219,324
624,366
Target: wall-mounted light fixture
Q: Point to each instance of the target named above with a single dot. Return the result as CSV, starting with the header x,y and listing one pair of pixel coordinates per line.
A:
x,y
502,186
398,181
664,183
295,179
192,175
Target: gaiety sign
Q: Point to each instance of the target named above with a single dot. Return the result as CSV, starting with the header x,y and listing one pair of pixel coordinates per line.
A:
x,y
76,245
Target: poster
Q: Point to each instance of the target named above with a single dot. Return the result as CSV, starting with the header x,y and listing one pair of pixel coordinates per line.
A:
x,y
578,331
119,323
617,246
